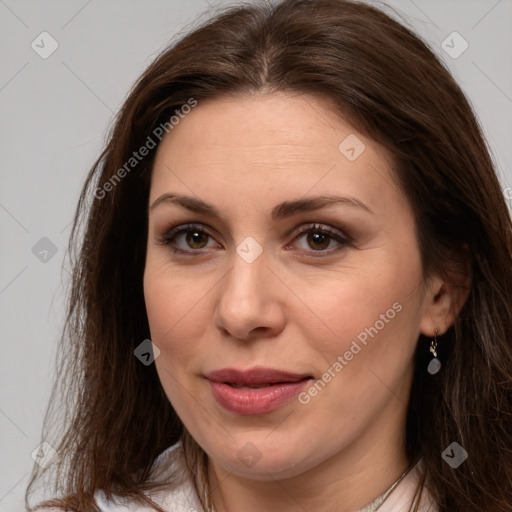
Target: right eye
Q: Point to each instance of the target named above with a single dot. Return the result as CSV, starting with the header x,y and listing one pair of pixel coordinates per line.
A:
x,y
186,238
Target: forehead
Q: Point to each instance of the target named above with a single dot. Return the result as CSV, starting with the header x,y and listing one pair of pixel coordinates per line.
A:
x,y
263,144
266,120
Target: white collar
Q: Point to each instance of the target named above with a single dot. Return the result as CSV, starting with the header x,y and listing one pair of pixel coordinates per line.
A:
x,y
170,464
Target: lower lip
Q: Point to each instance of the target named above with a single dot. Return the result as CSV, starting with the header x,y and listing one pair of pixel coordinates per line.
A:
x,y
255,400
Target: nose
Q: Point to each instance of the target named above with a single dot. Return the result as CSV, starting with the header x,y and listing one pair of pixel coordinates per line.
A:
x,y
249,304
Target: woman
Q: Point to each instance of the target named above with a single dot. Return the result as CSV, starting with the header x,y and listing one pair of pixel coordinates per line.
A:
x,y
293,292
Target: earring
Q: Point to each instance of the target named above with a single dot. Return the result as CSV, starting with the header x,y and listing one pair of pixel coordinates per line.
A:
x,y
435,365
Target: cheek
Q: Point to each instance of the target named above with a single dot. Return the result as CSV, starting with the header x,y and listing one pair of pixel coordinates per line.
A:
x,y
176,310
375,320
370,303
173,309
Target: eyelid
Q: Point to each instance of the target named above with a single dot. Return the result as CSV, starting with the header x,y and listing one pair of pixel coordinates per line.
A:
x,y
174,230
318,226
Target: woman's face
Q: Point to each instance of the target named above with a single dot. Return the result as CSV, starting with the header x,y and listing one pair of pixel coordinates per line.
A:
x,y
288,317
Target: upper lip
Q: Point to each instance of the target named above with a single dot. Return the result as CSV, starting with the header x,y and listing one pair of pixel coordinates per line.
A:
x,y
254,376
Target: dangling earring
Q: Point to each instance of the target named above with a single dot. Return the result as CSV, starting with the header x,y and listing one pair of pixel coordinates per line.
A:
x,y
435,365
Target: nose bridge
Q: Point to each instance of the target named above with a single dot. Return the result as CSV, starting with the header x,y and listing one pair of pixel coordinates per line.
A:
x,y
245,281
247,299
247,266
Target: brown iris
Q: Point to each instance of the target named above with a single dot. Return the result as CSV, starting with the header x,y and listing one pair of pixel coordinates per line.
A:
x,y
196,239
316,237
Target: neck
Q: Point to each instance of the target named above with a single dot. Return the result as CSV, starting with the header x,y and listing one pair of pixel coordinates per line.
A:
x,y
345,482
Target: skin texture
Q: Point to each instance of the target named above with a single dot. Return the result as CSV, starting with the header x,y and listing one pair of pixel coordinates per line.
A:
x,y
289,309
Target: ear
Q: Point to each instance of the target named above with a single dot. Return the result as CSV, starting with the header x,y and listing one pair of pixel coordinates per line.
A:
x,y
445,296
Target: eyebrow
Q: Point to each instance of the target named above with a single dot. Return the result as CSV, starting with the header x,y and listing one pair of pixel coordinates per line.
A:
x,y
281,211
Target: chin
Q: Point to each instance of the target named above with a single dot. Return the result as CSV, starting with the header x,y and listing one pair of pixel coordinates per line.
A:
x,y
264,460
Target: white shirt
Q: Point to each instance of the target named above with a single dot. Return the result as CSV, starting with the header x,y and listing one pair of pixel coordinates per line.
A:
x,y
183,495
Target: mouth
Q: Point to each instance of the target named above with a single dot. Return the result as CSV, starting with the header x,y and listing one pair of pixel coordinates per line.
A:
x,y
255,386
256,377
257,390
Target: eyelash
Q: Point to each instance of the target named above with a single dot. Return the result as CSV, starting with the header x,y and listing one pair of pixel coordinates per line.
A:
x,y
174,231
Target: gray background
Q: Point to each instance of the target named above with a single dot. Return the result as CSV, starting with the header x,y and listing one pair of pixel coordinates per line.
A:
x,y
54,116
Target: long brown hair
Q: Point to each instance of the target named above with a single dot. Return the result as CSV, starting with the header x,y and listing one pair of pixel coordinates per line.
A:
x,y
390,86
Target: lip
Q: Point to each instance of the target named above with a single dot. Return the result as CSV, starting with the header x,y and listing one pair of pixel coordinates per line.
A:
x,y
256,390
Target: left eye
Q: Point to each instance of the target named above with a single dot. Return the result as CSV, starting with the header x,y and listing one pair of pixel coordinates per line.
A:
x,y
319,238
